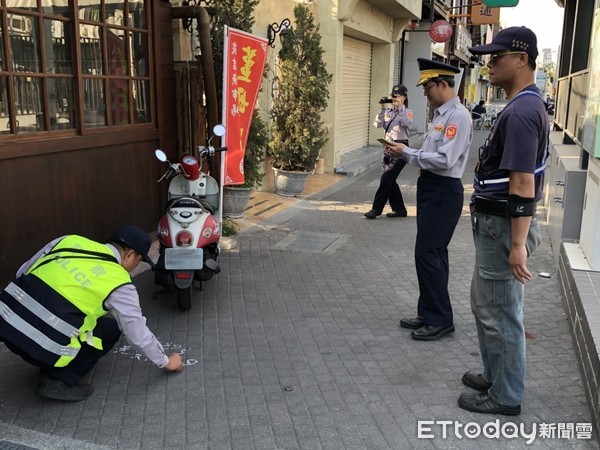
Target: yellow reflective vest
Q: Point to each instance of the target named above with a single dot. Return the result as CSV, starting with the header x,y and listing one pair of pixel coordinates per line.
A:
x,y
57,303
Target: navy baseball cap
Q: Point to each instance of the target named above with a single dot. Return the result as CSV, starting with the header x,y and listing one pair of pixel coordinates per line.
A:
x,y
399,89
516,39
135,238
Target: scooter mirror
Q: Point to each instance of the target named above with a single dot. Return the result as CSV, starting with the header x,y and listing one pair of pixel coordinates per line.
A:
x,y
219,130
162,156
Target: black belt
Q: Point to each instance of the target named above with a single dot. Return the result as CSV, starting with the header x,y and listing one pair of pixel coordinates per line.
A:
x,y
402,141
428,174
496,208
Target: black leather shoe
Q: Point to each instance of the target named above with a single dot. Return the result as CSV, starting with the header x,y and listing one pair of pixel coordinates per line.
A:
x,y
372,214
476,382
412,323
59,390
431,333
403,213
482,403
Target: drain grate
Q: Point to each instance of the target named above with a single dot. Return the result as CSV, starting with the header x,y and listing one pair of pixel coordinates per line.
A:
x,y
5,445
307,241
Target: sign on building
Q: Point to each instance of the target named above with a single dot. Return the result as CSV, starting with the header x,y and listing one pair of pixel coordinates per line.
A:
x,y
505,3
540,81
484,15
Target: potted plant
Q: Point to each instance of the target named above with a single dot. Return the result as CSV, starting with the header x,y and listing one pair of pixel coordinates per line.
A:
x,y
236,198
297,131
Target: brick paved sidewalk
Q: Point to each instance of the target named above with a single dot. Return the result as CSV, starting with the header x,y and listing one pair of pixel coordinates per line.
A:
x,y
294,349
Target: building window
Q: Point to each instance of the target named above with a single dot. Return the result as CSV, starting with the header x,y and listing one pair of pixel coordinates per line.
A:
x,y
73,65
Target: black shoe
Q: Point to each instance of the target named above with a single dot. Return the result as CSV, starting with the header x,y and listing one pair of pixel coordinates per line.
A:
x,y
431,333
59,390
397,214
482,403
413,323
372,214
476,382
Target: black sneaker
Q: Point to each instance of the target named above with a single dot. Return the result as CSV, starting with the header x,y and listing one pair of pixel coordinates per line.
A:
x,y
476,382
372,214
59,390
483,403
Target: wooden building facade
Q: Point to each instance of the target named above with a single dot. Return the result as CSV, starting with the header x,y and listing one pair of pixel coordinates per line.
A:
x,y
87,93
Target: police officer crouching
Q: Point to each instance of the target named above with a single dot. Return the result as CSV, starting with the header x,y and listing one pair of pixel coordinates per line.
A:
x,y
442,161
54,314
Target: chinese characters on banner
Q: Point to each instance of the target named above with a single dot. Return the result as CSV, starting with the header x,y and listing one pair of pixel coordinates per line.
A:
x,y
244,64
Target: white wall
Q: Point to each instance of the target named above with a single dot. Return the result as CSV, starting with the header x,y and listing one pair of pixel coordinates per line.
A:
x,y
419,46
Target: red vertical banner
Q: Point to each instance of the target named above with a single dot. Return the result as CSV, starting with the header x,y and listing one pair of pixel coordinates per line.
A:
x,y
244,64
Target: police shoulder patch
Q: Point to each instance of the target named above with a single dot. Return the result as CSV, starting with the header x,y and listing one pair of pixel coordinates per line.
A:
x,y
451,131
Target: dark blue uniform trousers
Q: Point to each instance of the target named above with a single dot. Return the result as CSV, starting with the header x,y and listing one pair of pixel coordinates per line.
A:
x,y
389,190
439,206
106,329
388,187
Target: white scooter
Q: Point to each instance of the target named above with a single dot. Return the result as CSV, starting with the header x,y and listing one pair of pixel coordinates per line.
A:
x,y
189,231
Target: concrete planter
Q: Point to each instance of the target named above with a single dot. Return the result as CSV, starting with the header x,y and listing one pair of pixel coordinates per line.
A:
x,y
290,184
235,200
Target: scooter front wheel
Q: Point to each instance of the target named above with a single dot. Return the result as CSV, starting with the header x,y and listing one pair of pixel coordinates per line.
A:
x,y
184,297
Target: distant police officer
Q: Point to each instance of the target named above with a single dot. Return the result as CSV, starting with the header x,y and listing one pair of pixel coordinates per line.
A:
x,y
396,122
508,183
442,161
53,314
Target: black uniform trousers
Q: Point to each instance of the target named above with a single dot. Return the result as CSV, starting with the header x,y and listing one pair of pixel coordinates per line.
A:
x,y
106,329
388,188
439,206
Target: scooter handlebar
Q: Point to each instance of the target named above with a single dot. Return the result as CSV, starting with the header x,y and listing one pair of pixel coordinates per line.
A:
x,y
210,150
168,174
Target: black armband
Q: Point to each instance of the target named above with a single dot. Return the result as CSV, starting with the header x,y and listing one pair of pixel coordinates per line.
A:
x,y
520,207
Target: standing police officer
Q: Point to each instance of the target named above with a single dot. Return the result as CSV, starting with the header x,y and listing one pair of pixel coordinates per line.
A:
x,y
52,315
508,183
396,121
442,161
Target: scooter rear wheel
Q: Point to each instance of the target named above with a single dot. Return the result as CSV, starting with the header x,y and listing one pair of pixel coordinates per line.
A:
x,y
184,298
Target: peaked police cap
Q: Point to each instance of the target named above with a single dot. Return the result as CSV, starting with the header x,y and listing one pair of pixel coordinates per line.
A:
x,y
434,69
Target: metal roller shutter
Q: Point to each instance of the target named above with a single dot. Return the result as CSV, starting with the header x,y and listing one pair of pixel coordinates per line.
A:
x,y
356,94
397,56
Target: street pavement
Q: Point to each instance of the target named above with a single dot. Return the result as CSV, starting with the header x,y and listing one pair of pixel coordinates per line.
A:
x,y
296,344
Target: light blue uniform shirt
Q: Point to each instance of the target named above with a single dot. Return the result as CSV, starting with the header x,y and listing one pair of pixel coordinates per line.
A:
x,y
447,142
396,122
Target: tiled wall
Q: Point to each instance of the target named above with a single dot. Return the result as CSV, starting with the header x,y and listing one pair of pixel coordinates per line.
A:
x,y
581,296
